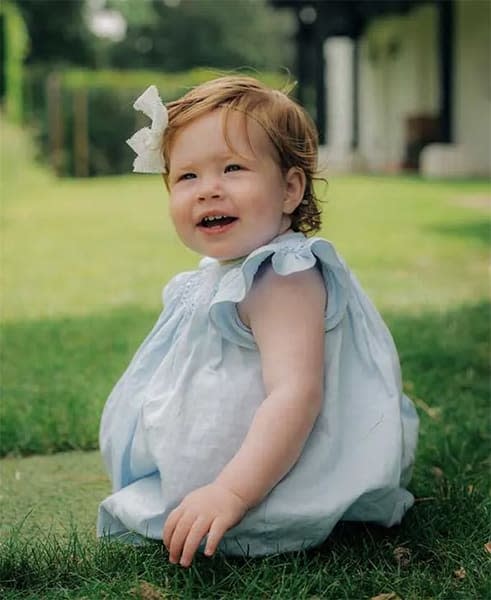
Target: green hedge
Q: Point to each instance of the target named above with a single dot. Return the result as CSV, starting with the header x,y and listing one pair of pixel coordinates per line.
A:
x,y
109,98
15,41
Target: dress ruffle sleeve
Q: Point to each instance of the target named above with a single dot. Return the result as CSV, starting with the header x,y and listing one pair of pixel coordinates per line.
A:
x,y
291,255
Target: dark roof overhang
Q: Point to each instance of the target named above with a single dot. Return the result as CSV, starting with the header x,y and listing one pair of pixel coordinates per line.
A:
x,y
347,17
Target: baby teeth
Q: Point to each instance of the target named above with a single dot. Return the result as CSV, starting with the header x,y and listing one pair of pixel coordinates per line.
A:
x,y
215,218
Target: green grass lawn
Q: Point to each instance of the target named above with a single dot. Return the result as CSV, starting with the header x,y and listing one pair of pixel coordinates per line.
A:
x,y
83,264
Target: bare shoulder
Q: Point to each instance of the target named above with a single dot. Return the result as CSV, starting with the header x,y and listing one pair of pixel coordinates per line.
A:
x,y
302,292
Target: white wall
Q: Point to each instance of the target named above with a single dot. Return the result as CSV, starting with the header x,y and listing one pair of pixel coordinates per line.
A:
x,y
472,116
398,79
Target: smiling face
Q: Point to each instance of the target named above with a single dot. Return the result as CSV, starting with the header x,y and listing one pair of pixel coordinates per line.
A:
x,y
226,202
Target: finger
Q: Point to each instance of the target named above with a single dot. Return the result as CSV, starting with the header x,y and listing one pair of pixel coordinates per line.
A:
x,y
193,540
170,525
216,533
179,536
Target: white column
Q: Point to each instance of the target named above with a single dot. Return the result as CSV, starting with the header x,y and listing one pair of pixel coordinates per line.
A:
x,y
338,52
338,155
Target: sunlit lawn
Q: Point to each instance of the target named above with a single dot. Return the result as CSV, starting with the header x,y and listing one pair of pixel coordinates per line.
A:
x,y
83,264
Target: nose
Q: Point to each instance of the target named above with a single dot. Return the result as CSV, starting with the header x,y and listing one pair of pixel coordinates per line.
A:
x,y
210,188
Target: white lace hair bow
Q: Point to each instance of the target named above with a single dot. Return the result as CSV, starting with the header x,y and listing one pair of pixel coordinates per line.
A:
x,y
147,142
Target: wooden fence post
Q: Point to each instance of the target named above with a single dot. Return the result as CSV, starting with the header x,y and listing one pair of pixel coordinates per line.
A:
x,y
80,133
55,121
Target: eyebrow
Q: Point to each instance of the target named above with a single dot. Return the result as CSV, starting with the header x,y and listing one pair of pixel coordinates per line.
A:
x,y
184,166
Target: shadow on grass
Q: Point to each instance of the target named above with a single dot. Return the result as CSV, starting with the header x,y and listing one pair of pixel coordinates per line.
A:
x,y
56,374
478,231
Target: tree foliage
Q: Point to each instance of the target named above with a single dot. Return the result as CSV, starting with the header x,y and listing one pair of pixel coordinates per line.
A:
x,y
224,34
168,35
57,30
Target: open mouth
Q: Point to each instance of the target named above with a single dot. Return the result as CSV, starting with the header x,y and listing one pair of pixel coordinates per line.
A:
x,y
216,221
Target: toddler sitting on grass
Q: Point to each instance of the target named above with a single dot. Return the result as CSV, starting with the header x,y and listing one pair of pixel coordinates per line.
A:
x,y
266,403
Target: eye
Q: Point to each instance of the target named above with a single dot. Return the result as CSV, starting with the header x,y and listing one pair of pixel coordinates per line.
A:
x,y
231,168
186,176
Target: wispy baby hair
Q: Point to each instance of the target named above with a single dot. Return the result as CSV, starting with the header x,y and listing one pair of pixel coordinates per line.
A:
x,y
289,127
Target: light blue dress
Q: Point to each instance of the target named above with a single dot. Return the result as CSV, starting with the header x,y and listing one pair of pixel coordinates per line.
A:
x,y
184,405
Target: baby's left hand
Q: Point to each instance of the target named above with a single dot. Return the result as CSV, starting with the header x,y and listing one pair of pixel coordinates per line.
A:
x,y
211,510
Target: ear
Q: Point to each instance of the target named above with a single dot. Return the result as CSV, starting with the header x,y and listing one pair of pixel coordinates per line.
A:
x,y
295,182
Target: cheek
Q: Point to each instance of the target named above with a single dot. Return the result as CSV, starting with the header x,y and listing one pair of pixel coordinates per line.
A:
x,y
259,190
177,213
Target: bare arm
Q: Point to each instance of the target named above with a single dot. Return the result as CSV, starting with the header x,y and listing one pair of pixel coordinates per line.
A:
x,y
286,315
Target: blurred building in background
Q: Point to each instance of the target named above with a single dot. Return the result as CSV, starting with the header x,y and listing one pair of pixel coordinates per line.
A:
x,y
392,84
398,84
